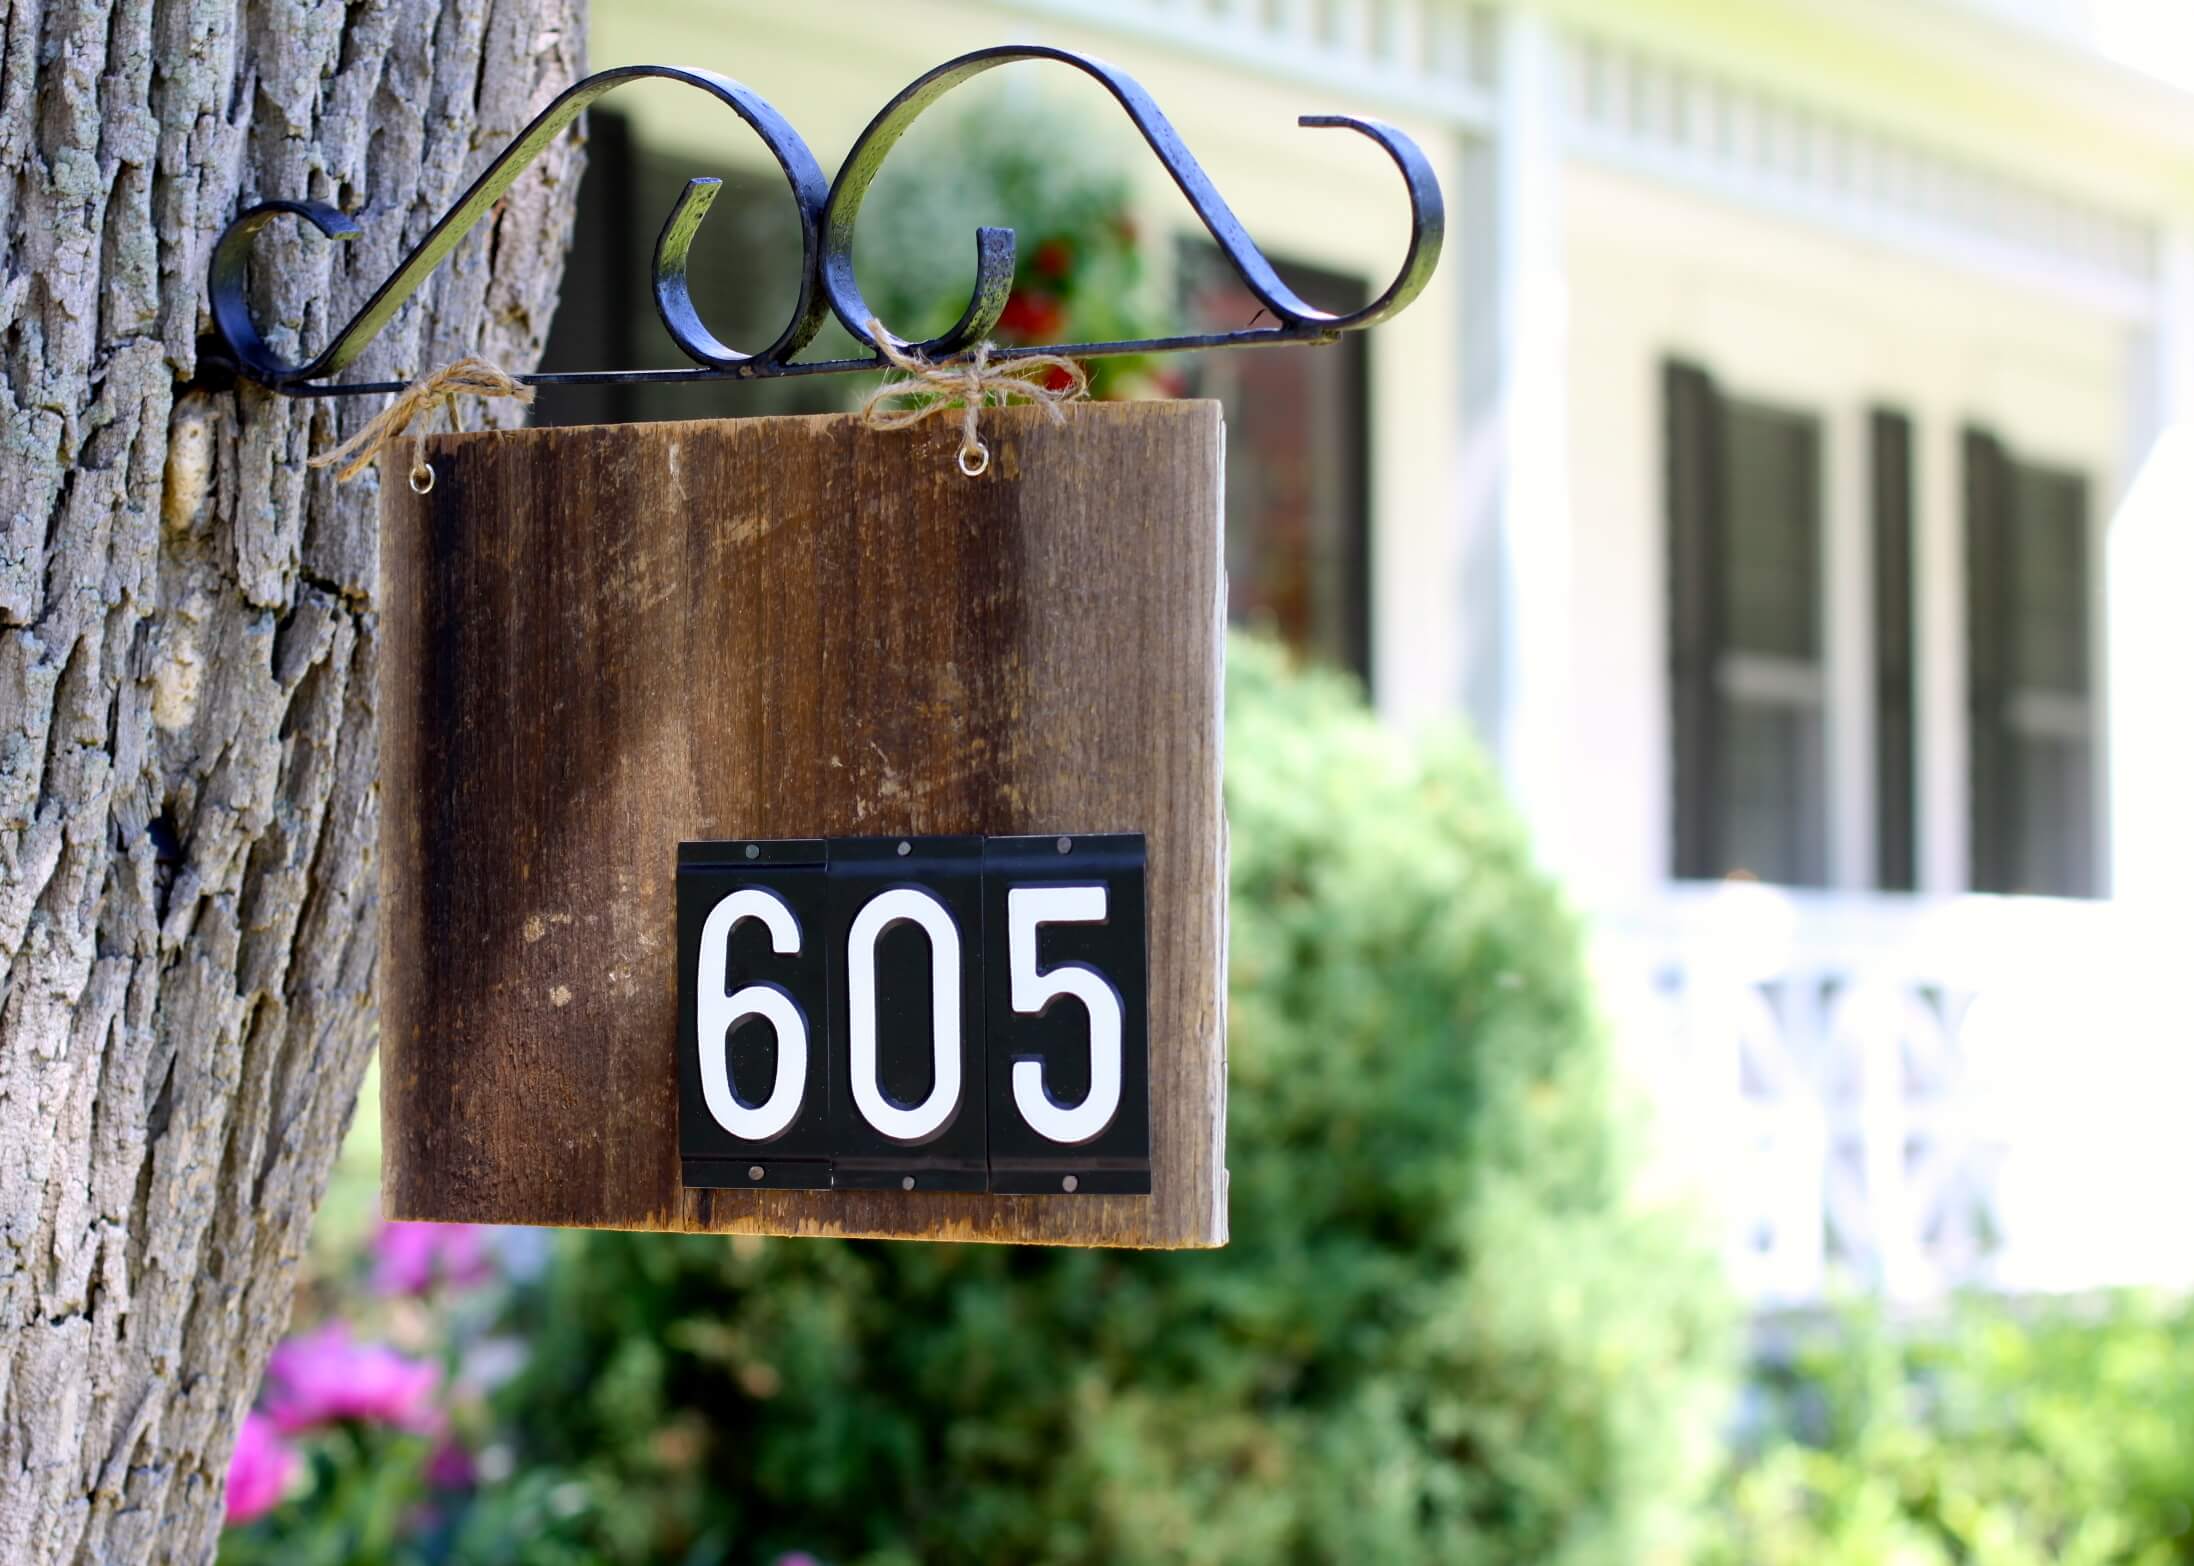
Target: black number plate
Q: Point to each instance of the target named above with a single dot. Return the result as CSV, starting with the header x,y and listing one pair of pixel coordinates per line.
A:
x,y
920,1014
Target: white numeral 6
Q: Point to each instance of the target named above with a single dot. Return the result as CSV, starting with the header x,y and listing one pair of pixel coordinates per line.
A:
x,y
718,1013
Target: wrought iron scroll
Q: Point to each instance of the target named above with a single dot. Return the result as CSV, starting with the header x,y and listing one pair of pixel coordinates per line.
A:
x,y
828,214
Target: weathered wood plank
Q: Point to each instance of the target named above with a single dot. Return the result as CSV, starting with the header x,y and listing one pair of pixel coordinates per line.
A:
x,y
601,642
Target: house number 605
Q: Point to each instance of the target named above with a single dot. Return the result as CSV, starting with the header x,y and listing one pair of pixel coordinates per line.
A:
x,y
919,1013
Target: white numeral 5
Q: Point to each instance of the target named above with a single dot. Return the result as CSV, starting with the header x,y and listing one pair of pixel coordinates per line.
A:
x,y
935,1112
1027,907
718,1012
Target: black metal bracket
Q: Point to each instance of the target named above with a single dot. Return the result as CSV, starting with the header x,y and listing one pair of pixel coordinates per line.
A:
x,y
828,213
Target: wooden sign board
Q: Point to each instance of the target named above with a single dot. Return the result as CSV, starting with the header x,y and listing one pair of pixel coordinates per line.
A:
x,y
615,660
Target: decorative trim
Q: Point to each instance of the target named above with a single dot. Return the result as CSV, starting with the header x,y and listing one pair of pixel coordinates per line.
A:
x,y
1436,58
1636,110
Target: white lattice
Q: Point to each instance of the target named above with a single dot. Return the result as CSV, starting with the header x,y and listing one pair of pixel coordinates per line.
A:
x,y
1907,1096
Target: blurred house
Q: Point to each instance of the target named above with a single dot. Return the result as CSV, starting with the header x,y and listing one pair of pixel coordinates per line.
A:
x,y
1786,475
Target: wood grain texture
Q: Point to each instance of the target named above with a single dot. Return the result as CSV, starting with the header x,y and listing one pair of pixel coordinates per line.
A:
x,y
600,642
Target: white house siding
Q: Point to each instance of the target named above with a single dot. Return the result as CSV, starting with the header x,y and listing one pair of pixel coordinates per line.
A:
x,y
1819,323
1905,1093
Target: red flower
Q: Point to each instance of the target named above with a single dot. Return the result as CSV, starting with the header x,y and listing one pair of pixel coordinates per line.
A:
x,y
1031,316
1053,258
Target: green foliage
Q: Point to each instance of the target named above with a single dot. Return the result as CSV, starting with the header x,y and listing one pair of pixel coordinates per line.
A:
x,y
2012,1435
1443,1331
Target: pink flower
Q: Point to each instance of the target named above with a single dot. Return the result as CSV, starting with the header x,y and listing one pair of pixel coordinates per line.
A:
x,y
324,1376
259,1469
797,1558
450,1467
410,1258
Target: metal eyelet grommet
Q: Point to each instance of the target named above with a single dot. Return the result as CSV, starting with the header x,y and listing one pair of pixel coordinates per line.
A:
x,y
422,478
975,460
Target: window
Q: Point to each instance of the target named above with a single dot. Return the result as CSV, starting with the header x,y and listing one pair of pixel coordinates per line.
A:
x,y
1296,493
2029,681
1749,675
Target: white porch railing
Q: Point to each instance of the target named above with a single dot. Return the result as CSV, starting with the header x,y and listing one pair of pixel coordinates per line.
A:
x,y
1906,1096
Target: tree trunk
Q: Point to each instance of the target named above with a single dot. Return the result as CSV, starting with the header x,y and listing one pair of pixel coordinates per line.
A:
x,y
187,732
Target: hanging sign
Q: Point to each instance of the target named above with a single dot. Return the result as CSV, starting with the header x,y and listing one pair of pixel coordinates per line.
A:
x,y
719,760
783,833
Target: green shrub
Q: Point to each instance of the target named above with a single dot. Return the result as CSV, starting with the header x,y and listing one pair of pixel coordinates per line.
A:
x,y
1443,1330
2010,1435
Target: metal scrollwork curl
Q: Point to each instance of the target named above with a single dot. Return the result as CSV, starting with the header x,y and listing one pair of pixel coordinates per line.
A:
x,y
828,214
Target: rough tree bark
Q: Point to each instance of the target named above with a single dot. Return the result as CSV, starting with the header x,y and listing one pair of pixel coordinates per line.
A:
x,y
187,638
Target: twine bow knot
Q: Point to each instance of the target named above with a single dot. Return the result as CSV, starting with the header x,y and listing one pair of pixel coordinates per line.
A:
x,y
466,377
969,384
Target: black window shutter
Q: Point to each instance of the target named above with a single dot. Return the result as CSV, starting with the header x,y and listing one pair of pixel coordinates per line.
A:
x,y
1992,753
1895,772
2078,874
1694,498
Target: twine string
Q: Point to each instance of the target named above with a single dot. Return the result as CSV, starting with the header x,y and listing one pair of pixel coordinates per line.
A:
x,y
466,377
971,384
924,390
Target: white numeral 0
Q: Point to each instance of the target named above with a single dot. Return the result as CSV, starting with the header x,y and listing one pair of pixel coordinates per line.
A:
x,y
934,1113
718,1012
1026,908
